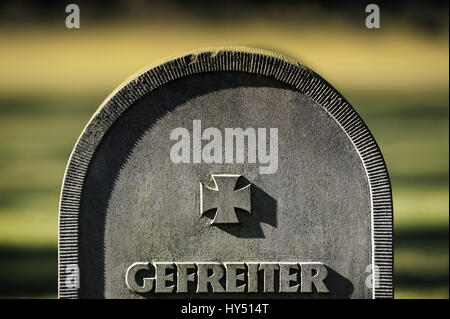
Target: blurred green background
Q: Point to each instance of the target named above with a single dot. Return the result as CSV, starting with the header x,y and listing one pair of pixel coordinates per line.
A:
x,y
52,79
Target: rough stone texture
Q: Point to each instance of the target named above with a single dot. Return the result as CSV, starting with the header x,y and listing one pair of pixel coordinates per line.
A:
x,y
329,200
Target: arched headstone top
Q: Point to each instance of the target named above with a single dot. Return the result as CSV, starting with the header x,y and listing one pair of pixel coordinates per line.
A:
x,y
308,173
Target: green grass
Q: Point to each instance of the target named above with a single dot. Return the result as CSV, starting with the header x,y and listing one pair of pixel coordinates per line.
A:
x,y
37,134
412,131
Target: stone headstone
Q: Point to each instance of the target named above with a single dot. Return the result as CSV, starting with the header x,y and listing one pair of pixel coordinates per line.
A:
x,y
229,172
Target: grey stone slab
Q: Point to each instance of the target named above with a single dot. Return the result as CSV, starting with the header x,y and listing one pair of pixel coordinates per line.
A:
x,y
125,200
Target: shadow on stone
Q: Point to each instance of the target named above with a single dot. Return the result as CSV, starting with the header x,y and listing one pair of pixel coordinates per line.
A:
x,y
118,143
263,210
339,286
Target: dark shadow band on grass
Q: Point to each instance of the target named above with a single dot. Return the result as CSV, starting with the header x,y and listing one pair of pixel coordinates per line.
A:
x,y
28,272
422,237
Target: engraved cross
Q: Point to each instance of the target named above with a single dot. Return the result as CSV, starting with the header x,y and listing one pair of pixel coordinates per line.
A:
x,y
225,198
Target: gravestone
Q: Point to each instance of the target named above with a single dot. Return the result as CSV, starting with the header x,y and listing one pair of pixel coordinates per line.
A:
x,y
230,173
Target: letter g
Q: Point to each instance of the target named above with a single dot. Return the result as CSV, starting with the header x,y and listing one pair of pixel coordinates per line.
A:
x,y
130,278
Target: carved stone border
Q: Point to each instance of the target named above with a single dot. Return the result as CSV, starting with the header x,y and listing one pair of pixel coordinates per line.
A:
x,y
243,60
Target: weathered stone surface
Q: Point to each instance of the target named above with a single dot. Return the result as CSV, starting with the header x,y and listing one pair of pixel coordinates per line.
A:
x,y
124,199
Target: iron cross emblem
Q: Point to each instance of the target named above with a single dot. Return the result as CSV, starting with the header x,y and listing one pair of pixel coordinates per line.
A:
x,y
224,198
